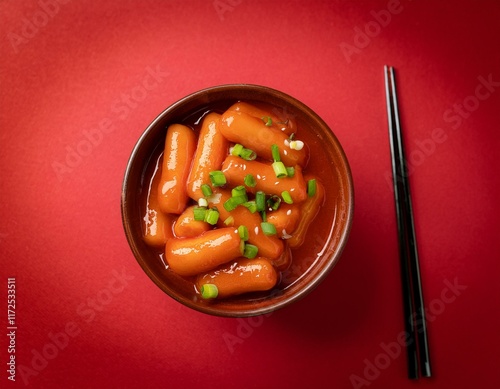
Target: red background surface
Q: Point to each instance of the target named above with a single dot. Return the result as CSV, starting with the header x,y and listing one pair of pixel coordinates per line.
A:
x,y
67,67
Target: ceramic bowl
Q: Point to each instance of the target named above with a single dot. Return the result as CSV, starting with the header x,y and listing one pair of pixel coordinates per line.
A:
x,y
326,238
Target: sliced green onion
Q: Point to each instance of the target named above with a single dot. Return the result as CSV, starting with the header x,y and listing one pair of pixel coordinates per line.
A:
x,y
274,202
238,191
268,228
276,153
229,221
243,232
217,178
311,187
237,149
250,251
199,213
212,216
290,171
240,151
286,197
279,169
263,215
233,202
240,199
251,206
202,202
230,204
296,145
260,201
206,190
248,155
209,291
267,120
250,181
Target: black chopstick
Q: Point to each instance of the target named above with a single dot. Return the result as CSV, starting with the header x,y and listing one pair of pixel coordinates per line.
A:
x,y
415,324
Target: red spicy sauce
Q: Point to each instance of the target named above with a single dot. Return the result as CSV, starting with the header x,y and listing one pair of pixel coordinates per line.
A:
x,y
320,230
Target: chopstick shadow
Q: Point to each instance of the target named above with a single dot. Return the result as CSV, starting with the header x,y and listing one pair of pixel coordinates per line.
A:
x,y
340,303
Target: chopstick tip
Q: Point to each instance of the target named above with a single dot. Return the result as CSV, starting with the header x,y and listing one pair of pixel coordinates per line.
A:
x,y
388,71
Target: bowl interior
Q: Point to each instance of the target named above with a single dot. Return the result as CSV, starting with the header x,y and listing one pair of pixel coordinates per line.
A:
x,y
309,267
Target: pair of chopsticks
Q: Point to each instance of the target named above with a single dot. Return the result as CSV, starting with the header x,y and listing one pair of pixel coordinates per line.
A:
x,y
415,324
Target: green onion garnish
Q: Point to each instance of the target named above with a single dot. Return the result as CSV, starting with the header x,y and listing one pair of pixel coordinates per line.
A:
x,y
209,291
260,201
240,151
267,120
199,213
296,145
212,216
233,202
217,178
250,181
279,169
263,215
268,228
250,251
274,202
238,191
286,197
206,190
251,206
311,187
248,155
276,153
230,204
240,199
229,221
290,171
243,232
237,149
